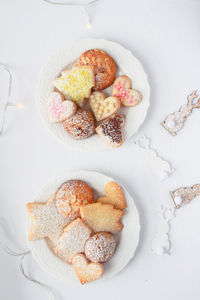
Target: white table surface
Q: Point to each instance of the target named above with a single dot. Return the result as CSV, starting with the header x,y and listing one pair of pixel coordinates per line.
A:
x,y
164,35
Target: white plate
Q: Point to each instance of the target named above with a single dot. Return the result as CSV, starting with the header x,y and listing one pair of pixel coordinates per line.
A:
x,y
129,236
127,64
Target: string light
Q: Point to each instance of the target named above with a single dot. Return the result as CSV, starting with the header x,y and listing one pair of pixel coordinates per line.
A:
x,y
7,104
85,8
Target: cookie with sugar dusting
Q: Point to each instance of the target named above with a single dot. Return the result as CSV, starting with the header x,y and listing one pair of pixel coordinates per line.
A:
x,y
86,271
110,130
114,195
71,195
46,221
73,239
100,247
102,217
81,125
76,84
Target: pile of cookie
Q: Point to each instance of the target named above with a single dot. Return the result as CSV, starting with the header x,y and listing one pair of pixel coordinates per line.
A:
x,y
93,72
84,231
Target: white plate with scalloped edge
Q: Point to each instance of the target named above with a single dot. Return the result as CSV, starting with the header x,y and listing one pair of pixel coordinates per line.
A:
x,y
128,241
127,64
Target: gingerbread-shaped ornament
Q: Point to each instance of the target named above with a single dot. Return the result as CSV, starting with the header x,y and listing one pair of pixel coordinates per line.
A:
x,y
174,122
122,88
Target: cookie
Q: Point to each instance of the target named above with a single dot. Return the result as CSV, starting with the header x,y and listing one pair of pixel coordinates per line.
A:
x,y
104,67
76,84
110,130
81,125
86,271
100,247
45,220
71,195
103,107
122,88
73,240
102,217
60,109
114,196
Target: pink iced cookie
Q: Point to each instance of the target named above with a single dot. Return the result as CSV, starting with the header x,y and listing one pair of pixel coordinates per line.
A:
x,y
122,88
59,109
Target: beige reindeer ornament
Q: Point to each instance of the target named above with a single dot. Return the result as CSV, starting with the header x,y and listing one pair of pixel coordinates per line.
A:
x,y
184,195
174,122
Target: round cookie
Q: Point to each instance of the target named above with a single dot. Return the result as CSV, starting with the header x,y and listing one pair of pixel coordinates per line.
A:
x,y
104,67
100,247
70,196
81,125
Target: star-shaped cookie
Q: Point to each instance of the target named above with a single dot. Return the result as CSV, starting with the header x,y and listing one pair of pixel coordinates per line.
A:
x,y
76,84
45,220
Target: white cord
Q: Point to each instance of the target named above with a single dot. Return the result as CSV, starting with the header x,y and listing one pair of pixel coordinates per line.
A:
x,y
21,267
85,7
8,96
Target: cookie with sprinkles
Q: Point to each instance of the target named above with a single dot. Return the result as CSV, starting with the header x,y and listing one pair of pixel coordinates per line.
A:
x,y
110,130
73,240
45,220
122,88
71,195
60,109
76,84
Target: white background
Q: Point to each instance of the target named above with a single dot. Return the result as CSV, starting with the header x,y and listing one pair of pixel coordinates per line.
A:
x,y
164,35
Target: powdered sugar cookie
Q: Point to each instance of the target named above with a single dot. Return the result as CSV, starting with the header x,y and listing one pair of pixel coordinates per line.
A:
x,y
86,271
102,217
103,107
114,196
46,221
60,109
81,125
76,84
100,247
122,88
73,239
111,130
104,67
71,195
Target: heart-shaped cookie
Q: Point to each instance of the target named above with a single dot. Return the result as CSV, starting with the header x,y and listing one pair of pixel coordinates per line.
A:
x,y
122,89
111,130
86,271
103,107
114,196
59,109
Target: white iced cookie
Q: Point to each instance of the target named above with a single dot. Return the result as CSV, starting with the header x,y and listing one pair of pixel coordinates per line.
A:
x,y
59,109
103,107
